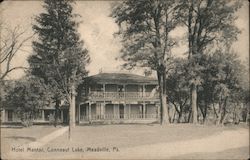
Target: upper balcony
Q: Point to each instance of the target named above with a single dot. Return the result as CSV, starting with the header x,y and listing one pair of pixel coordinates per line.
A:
x,y
120,87
123,96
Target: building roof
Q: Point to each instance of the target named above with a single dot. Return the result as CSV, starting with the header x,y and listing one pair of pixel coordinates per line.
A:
x,y
121,78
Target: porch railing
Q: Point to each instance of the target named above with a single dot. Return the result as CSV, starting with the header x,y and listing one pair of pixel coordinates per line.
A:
x,y
122,95
118,117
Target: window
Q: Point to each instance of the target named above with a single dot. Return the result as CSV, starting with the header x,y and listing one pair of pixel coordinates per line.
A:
x,y
120,88
38,114
48,114
10,115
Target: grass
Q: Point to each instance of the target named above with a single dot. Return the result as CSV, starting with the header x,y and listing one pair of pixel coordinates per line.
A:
x,y
136,135
11,137
126,136
120,136
133,135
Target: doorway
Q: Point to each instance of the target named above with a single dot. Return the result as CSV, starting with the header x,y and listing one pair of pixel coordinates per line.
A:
x,y
121,91
65,116
121,111
83,112
10,115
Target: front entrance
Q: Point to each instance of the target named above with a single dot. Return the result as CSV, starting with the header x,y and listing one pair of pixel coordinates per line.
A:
x,y
10,115
121,111
83,112
109,111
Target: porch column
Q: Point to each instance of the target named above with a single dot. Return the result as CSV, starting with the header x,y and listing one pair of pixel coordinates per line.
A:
x,y
6,115
61,115
129,111
3,115
43,115
144,110
89,89
89,112
103,110
143,91
158,111
97,106
124,93
124,112
79,113
114,110
104,90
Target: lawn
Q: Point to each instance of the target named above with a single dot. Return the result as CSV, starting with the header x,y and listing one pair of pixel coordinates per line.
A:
x,y
129,136
16,136
121,137
134,135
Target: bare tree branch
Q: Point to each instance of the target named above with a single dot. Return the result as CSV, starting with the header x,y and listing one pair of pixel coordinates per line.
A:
x,y
11,43
10,70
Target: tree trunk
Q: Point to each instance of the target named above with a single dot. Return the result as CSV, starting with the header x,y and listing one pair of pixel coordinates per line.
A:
x,y
163,100
194,104
223,120
218,119
205,113
179,112
189,116
164,110
180,116
173,118
56,111
73,107
71,111
248,113
235,113
223,112
219,115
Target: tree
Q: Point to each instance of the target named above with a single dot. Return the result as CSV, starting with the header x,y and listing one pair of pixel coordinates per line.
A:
x,y
206,88
144,29
59,55
6,86
245,92
11,42
227,71
27,96
208,22
177,87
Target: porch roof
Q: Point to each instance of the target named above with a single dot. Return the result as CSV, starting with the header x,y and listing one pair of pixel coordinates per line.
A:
x,y
121,78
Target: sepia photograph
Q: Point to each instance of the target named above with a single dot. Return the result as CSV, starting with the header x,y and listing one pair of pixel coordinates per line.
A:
x,y
124,79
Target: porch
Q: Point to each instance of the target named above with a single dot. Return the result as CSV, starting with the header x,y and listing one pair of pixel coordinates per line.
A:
x,y
42,116
118,113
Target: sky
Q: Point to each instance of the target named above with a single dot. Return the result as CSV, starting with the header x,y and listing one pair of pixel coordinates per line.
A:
x,y
97,31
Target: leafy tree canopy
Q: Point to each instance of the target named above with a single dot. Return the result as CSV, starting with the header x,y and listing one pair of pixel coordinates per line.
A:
x,y
59,55
28,95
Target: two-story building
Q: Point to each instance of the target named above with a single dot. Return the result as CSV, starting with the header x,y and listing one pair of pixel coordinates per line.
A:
x,y
118,98
106,98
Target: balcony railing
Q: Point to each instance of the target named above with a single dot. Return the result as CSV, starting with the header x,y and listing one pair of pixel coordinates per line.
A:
x,y
122,95
118,117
